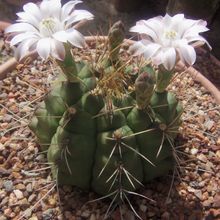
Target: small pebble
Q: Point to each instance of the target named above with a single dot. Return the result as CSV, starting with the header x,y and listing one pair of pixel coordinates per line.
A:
x,y
24,204
194,151
18,194
92,217
85,214
8,185
20,186
198,194
32,198
7,212
143,208
33,218
29,187
165,216
28,213
47,215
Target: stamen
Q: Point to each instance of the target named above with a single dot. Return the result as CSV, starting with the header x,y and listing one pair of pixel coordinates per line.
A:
x,y
171,35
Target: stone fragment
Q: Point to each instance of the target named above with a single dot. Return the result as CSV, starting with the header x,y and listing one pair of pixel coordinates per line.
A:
x,y
216,201
165,216
8,185
18,193
85,214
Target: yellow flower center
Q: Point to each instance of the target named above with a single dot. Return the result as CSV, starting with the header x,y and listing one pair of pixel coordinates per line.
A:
x,y
49,26
171,35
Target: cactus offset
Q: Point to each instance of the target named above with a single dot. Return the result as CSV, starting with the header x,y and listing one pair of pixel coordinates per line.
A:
x,y
106,136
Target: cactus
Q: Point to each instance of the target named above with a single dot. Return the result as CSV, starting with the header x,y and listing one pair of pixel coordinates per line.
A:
x,y
106,128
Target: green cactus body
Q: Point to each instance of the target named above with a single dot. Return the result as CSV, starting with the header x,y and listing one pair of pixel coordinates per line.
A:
x,y
47,116
106,143
83,139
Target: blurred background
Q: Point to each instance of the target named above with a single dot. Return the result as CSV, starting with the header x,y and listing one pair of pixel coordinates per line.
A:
x,y
129,11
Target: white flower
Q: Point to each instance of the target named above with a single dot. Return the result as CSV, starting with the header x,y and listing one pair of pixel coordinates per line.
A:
x,y
166,39
45,27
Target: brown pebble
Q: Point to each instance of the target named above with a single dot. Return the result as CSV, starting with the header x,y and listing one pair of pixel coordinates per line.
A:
x,y
7,212
18,193
24,204
20,186
215,213
207,203
32,198
165,216
216,201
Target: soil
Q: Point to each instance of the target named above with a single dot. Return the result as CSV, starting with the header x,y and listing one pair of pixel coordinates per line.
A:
x,y
27,189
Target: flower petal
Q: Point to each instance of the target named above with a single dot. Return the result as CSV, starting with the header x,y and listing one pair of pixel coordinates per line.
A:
x,y
187,53
33,10
199,38
169,58
175,22
75,38
68,7
151,50
21,37
61,36
25,17
57,50
23,48
79,15
20,27
44,47
51,8
148,50
141,28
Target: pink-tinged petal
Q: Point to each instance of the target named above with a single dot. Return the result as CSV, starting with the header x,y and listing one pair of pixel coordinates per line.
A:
x,y
57,50
75,38
79,15
33,10
44,47
200,39
21,37
169,58
28,18
68,8
61,36
187,53
20,27
24,47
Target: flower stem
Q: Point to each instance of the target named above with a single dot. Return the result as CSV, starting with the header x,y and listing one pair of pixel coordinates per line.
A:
x,y
163,78
68,65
